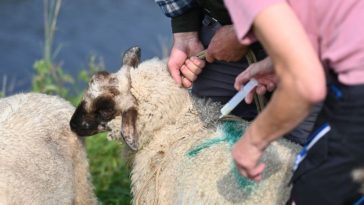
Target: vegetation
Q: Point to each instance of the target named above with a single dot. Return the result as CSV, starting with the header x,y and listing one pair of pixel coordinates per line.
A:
x,y
110,174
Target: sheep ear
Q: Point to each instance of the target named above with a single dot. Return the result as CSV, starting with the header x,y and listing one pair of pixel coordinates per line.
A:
x,y
128,128
132,57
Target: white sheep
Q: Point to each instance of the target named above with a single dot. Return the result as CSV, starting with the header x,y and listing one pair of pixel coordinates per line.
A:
x,y
183,157
42,162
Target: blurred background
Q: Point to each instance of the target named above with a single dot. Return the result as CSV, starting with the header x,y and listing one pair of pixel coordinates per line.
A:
x,y
103,29
54,46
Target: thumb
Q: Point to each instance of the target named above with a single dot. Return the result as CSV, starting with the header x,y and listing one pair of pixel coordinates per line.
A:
x,y
209,58
250,97
256,173
175,62
241,79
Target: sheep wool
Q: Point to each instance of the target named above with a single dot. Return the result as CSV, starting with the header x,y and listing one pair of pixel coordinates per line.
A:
x,y
41,161
184,154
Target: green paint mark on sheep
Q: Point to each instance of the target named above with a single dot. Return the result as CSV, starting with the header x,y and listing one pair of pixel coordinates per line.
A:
x,y
232,131
243,182
196,150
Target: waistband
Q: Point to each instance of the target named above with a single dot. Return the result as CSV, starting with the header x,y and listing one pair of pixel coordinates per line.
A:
x,y
341,91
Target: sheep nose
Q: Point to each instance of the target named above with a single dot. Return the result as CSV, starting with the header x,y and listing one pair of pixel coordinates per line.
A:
x,y
85,125
103,126
76,125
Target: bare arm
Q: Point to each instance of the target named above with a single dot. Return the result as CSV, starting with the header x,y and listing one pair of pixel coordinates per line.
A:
x,y
301,84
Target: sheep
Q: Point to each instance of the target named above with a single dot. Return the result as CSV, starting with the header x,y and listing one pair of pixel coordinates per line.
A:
x,y
183,152
41,160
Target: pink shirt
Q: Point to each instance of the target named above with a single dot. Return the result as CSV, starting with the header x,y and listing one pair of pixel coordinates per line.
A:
x,y
335,28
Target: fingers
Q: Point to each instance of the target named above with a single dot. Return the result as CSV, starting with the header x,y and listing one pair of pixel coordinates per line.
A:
x,y
197,62
254,173
260,90
186,83
241,79
190,70
250,97
270,86
246,156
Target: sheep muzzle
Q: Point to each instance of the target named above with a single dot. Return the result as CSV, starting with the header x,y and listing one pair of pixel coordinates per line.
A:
x,y
85,123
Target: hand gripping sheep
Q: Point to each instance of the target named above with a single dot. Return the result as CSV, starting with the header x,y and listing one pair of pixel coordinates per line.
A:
x,y
183,154
42,162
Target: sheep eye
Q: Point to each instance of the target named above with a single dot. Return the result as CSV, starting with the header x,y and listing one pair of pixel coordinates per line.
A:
x,y
106,114
104,107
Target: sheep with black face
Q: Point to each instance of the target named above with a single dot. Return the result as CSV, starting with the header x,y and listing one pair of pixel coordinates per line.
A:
x,y
167,127
108,95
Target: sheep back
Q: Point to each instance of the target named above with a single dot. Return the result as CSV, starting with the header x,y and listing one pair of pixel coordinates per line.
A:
x,y
171,125
41,160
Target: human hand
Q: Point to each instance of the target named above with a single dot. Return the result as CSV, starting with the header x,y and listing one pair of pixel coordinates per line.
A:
x,y
190,69
246,155
263,72
225,46
184,45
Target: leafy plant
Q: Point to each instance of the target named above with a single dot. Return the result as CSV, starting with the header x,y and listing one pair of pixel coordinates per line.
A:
x,y
110,174
50,77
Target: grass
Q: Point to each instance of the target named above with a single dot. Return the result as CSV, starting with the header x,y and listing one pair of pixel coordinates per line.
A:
x,y
109,171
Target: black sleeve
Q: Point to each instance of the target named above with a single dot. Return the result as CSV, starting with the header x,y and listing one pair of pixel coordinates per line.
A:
x,y
188,22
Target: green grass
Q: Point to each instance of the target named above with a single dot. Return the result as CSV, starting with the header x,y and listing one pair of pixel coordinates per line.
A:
x,y
109,170
110,173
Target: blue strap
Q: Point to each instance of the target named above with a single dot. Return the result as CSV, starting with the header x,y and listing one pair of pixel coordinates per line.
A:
x,y
314,137
360,201
336,90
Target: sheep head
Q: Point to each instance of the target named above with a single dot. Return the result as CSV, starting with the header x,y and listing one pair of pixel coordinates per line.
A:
x,y
107,96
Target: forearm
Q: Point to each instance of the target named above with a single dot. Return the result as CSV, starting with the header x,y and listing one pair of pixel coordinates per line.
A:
x,y
286,109
301,81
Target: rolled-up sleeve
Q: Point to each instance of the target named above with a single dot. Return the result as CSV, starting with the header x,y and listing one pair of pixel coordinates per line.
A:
x,y
243,13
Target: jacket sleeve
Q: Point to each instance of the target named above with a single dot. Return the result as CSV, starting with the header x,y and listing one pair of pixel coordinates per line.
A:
x,y
186,15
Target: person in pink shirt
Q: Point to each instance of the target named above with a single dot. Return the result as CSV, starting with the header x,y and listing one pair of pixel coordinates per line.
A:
x,y
316,54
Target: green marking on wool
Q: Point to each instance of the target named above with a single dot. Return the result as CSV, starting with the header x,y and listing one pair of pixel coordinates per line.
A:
x,y
232,131
243,182
196,150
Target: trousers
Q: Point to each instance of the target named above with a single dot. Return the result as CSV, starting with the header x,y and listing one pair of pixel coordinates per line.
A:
x,y
334,149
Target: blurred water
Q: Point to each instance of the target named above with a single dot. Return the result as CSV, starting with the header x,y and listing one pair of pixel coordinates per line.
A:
x,y
105,28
